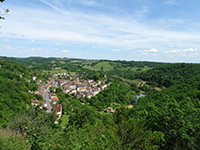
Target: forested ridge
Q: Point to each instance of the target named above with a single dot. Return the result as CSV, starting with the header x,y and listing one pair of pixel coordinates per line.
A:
x,y
170,74
165,119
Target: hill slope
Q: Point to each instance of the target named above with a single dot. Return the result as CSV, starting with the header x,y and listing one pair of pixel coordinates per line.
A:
x,y
169,74
14,89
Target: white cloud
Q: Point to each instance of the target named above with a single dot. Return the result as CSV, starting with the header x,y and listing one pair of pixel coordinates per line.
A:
x,y
191,50
144,53
171,2
90,2
32,41
153,50
5,40
115,50
93,46
6,47
183,52
58,44
65,51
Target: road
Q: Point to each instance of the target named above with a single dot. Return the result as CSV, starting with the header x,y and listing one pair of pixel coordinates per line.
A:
x,y
46,100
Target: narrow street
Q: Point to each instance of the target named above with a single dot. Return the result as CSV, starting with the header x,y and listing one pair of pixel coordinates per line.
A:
x,y
46,100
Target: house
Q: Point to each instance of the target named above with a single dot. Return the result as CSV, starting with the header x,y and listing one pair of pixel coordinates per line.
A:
x,y
54,99
99,82
73,86
95,91
72,91
36,103
57,109
66,90
53,95
103,86
65,74
109,110
79,95
34,78
39,81
38,93
62,83
90,81
41,88
81,88
88,89
89,95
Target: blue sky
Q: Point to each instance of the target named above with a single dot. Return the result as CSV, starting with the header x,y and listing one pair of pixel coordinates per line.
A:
x,y
140,30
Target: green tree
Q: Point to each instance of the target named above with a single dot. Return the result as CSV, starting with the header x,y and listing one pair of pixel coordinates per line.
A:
x,y
133,135
176,120
82,115
3,12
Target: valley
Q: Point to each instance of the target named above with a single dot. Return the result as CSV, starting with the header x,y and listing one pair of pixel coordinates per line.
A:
x,y
75,103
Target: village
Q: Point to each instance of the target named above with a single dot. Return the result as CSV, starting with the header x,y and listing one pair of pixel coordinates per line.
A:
x,y
85,88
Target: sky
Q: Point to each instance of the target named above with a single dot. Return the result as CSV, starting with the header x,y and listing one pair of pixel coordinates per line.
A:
x,y
132,30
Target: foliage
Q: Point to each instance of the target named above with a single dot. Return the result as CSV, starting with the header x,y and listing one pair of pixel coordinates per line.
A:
x,y
14,84
5,12
166,119
37,126
12,140
170,74
134,136
174,112
117,92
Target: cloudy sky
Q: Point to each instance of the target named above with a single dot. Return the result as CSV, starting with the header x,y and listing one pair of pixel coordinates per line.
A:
x,y
140,30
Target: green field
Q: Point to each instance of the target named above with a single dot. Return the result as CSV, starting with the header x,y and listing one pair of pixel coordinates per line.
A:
x,y
65,119
101,66
57,71
132,82
109,66
60,71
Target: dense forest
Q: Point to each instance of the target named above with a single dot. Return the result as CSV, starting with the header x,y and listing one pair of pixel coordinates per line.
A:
x,y
167,118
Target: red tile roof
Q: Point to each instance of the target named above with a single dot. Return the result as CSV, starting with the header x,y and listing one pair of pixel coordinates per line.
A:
x,y
54,98
36,101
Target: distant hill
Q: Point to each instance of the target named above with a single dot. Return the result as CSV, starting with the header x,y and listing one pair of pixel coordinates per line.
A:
x,y
170,74
125,69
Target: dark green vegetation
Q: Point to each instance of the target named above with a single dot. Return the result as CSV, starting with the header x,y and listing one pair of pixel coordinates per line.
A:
x,y
166,119
14,96
3,12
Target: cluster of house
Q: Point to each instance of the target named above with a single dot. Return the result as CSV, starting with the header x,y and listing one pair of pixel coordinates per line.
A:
x,y
64,75
57,109
87,88
37,103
